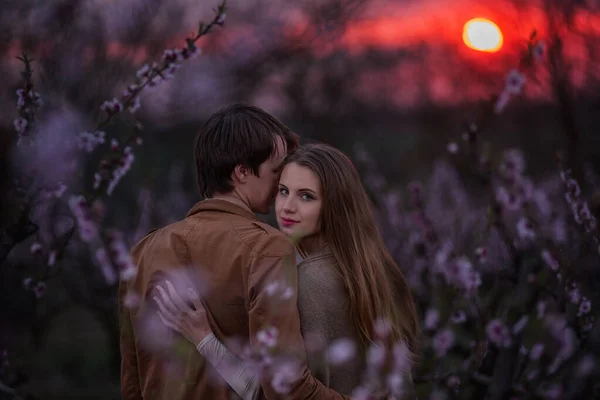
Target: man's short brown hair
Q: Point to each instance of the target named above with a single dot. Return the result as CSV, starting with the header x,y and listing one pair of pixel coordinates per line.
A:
x,y
236,134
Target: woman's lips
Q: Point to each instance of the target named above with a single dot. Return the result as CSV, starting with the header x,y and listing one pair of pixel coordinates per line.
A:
x,y
288,222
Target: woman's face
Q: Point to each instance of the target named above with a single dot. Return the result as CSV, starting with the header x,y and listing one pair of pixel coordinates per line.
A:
x,y
298,202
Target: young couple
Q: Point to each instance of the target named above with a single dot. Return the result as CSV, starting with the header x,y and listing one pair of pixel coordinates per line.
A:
x,y
346,294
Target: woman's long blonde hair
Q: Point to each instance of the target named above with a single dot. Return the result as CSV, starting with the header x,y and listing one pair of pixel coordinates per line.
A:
x,y
375,284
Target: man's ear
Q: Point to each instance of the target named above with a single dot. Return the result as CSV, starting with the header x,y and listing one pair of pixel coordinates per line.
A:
x,y
240,173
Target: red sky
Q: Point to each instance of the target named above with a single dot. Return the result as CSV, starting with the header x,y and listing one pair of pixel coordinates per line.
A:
x,y
393,27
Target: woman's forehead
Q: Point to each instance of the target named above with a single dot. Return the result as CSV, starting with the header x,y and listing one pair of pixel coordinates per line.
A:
x,y
298,175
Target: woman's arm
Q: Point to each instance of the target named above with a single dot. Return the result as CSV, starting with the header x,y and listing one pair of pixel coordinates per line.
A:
x,y
234,371
194,326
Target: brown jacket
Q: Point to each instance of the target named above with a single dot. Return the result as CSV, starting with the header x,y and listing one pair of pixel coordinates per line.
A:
x,y
236,256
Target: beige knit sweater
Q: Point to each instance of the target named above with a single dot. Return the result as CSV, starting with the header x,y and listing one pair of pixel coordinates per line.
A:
x,y
324,311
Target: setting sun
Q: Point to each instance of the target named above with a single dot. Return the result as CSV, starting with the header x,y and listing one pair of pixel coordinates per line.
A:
x,y
483,35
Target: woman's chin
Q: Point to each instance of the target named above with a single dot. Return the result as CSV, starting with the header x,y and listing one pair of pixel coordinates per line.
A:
x,y
291,232
288,230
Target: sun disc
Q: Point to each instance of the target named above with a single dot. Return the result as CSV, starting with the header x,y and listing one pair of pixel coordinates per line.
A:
x,y
483,35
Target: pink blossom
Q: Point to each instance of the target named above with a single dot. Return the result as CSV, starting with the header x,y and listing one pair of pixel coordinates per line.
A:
x,y
525,229
272,288
20,98
143,73
514,82
59,190
538,50
39,289
502,101
120,253
382,327
375,355
524,187
586,366
132,299
395,383
443,341
106,265
87,227
452,148
574,295
118,173
508,199
361,393
584,308
286,375
188,53
458,317
127,93
541,201
135,105
52,258
27,283
498,333
432,319
558,231
171,69
536,351
571,184
268,336
170,55
401,356
513,165
550,260
35,247
20,125
482,254
341,351
88,141
279,290
520,324
112,106
552,391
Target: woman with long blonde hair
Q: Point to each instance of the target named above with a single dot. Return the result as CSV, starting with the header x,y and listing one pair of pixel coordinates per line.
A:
x,y
351,293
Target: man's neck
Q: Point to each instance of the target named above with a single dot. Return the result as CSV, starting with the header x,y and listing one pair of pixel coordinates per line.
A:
x,y
235,199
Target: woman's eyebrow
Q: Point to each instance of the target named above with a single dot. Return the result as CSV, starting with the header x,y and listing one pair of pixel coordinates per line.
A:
x,y
307,190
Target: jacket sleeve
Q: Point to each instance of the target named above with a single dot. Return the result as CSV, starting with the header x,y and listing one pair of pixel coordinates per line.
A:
x,y
274,322
130,383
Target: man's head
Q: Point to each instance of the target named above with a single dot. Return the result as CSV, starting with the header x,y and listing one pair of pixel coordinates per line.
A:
x,y
239,151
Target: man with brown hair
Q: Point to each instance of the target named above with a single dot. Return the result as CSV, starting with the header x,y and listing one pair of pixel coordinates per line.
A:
x,y
223,244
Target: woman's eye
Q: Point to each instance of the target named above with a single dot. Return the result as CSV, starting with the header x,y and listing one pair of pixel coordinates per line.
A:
x,y
282,191
306,196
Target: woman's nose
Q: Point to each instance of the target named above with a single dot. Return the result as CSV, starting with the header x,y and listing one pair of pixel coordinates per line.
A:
x,y
289,205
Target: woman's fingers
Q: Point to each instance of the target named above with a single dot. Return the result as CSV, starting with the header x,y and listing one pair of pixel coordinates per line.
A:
x,y
176,298
166,299
195,298
163,309
168,323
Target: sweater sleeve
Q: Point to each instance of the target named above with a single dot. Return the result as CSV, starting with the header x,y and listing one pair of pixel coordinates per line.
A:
x,y
234,371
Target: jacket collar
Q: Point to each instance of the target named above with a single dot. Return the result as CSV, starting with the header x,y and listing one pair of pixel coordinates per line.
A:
x,y
219,205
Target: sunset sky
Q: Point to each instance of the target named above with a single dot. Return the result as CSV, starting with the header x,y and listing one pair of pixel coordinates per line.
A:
x,y
388,24
383,25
